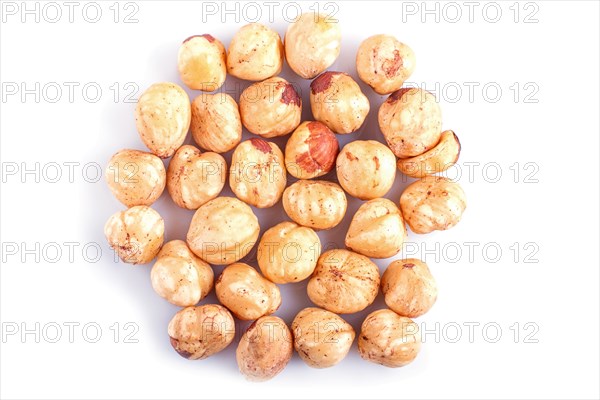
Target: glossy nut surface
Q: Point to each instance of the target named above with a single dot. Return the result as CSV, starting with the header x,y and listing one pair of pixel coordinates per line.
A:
x,y
202,63
408,287
216,124
443,156
311,150
255,53
316,204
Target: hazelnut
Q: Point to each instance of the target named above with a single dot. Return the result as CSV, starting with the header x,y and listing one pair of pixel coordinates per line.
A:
x,y
388,339
321,338
344,282
255,53
193,177
311,150
136,178
270,108
377,229
384,63
288,252
199,332
246,293
135,234
162,117
432,203
411,122
438,159
366,169
408,287
337,101
258,173
312,44
316,204
179,276
216,124
223,231
202,63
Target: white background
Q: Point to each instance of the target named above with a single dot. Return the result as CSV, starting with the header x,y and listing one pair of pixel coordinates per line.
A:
x,y
555,209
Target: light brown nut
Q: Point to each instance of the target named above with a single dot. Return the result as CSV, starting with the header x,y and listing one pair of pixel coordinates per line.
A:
x,y
135,178
344,282
199,332
265,349
202,63
179,276
311,150
223,231
288,252
440,158
366,169
316,204
384,63
432,203
312,44
337,101
258,173
409,288
388,339
162,118
411,122
246,293
270,108
321,338
255,53
377,229
216,124
136,234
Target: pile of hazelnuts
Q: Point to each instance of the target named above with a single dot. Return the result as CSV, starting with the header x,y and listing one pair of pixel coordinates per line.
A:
x,y
224,230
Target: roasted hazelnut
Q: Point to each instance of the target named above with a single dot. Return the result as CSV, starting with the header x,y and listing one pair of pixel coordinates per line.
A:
x,y
288,252
337,101
411,122
408,287
258,173
255,53
366,169
311,150
438,159
384,63
216,123
344,282
270,108
316,204
223,231
194,178
202,63
432,203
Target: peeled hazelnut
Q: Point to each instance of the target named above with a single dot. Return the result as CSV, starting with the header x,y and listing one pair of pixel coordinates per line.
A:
x,y
312,44
366,169
384,63
179,276
408,287
216,124
316,204
135,234
311,150
388,339
440,158
432,203
337,101
321,338
265,349
193,177
258,173
411,122
223,231
344,282
136,178
377,229
162,117
270,108
246,293
288,252
199,332
255,53
202,63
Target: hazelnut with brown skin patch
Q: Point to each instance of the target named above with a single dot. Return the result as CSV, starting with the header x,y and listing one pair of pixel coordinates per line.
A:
x,y
316,204
311,150
202,63
444,155
216,124
255,53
